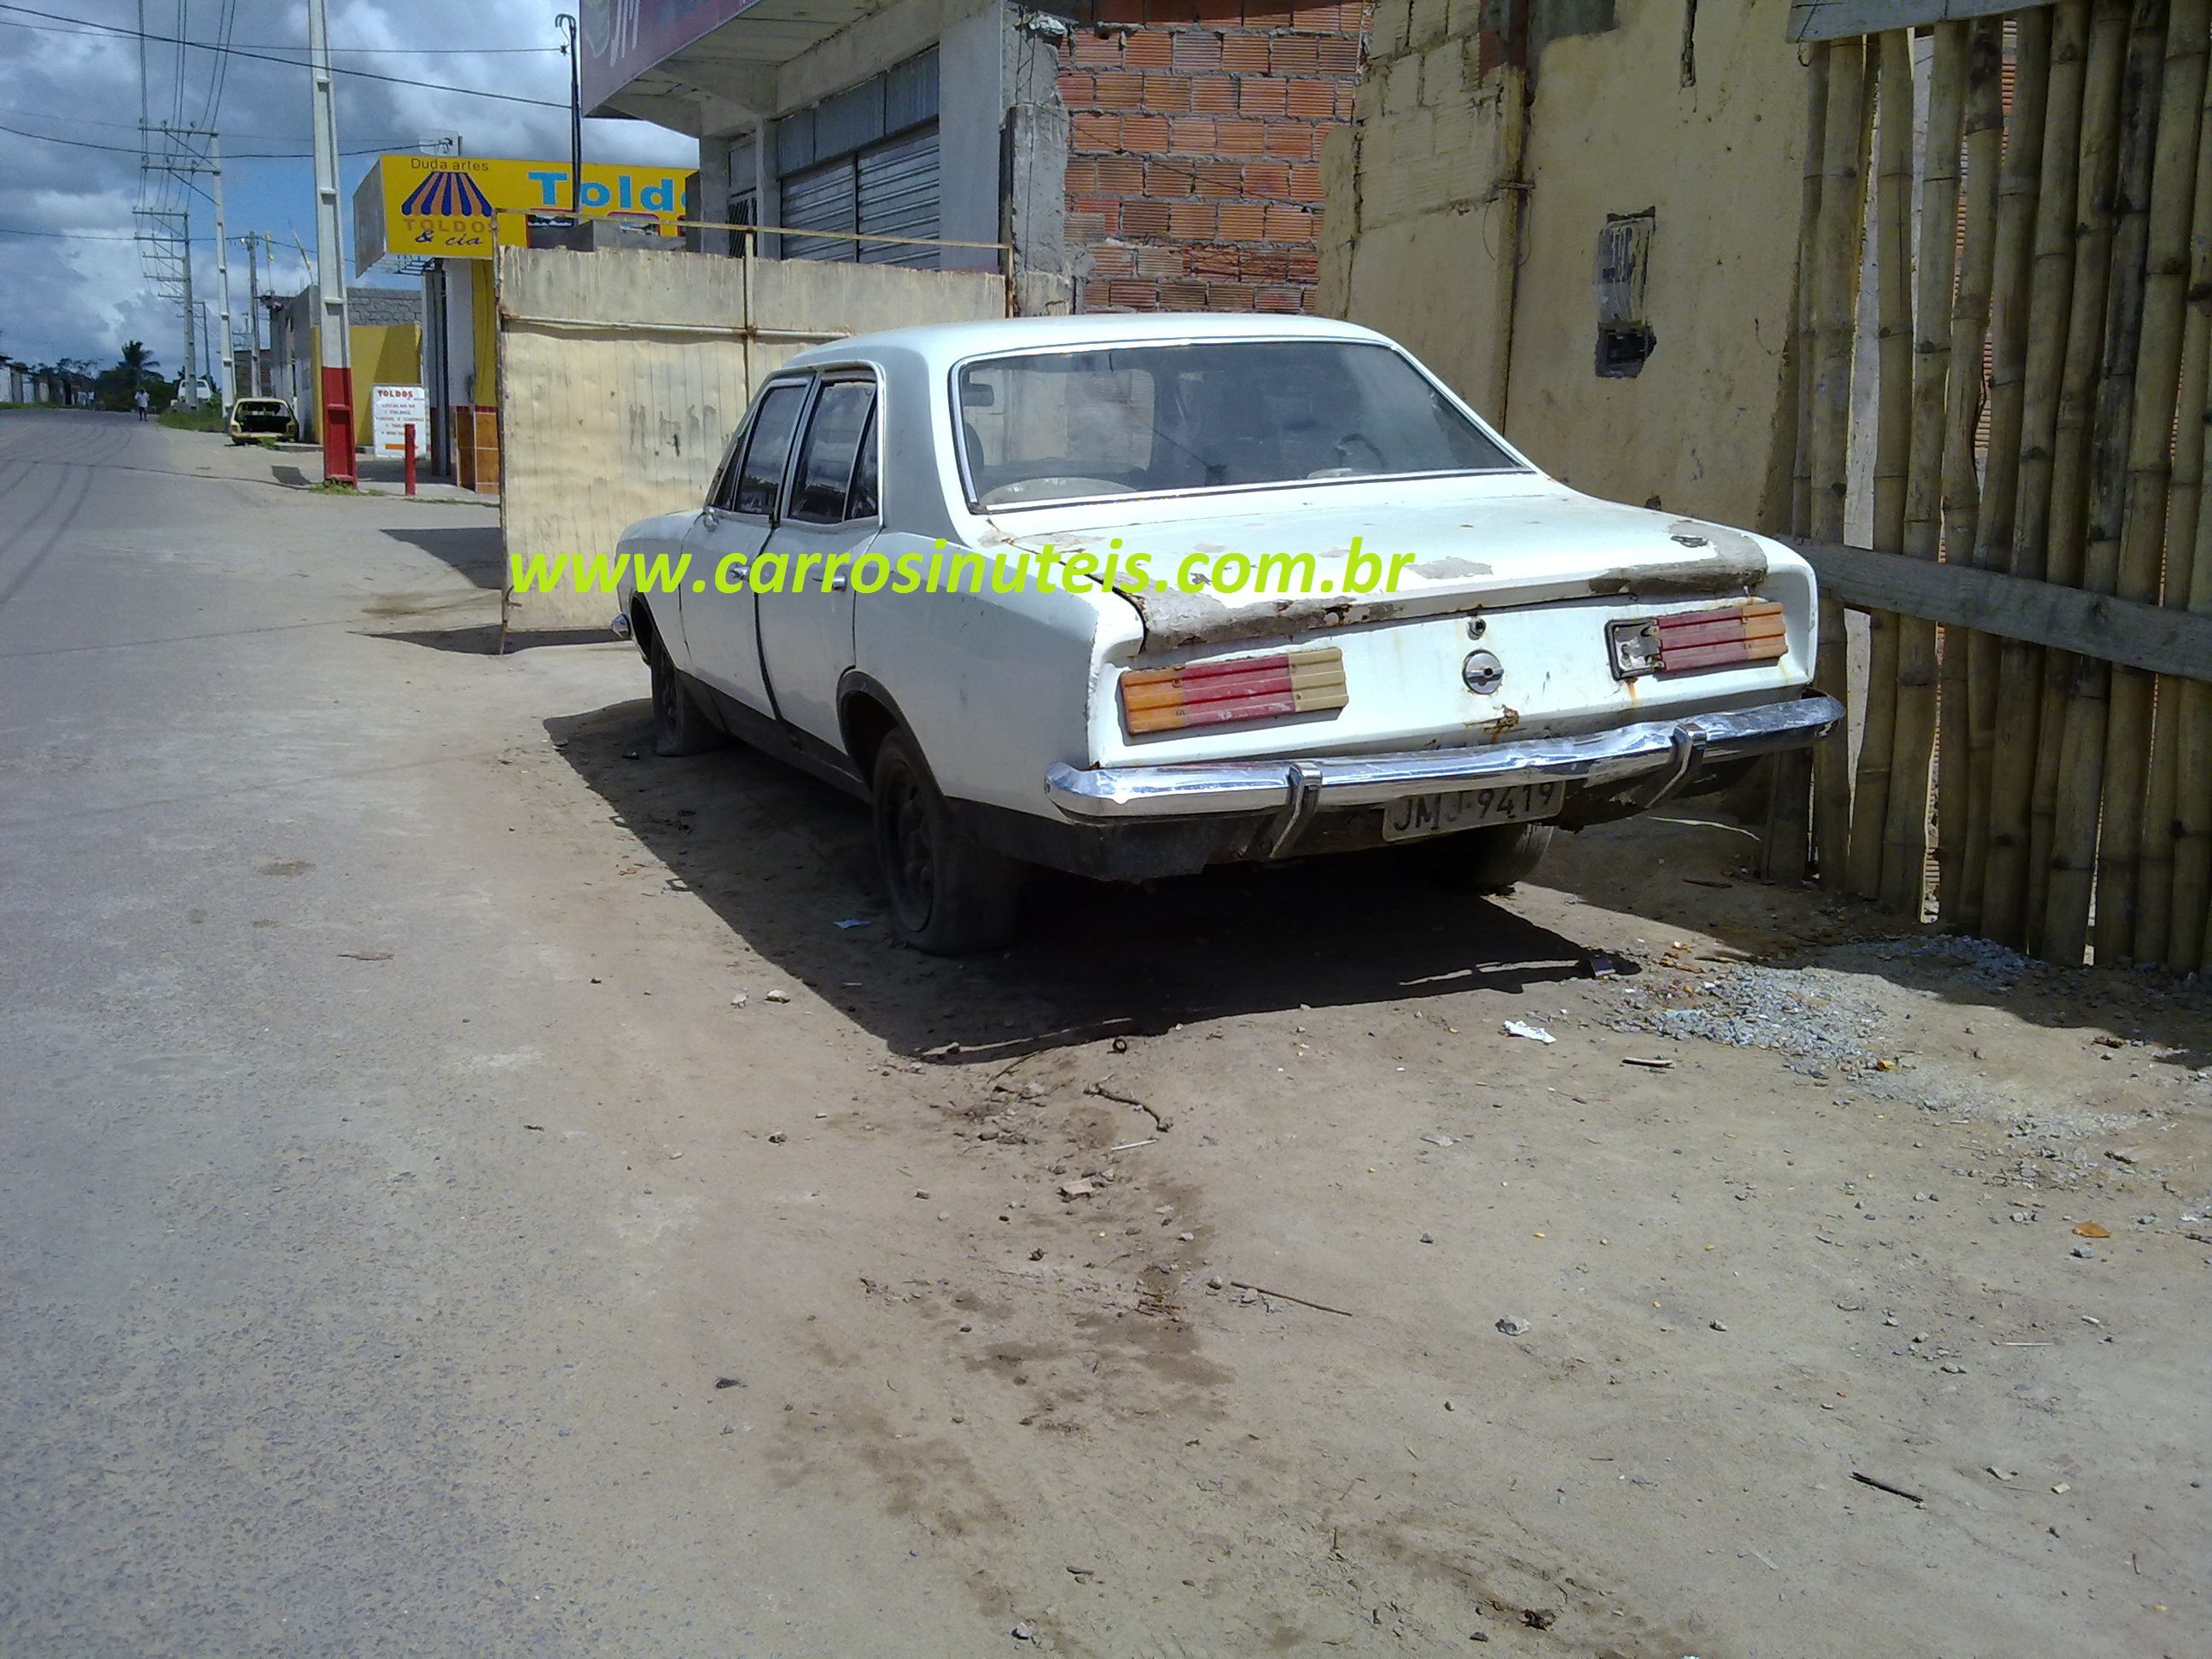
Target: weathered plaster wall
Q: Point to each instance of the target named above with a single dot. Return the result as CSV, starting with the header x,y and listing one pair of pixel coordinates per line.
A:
x,y
1621,121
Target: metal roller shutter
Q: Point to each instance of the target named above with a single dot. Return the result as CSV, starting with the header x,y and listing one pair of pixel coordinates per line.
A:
x,y
898,198
820,198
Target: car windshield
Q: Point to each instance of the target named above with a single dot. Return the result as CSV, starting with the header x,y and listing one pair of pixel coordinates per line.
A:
x,y
1074,425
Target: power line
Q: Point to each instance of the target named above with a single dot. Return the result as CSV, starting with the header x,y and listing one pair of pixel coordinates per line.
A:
x,y
97,29
234,155
181,42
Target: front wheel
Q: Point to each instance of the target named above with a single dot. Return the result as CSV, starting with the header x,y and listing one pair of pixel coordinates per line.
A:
x,y
680,726
1487,860
949,893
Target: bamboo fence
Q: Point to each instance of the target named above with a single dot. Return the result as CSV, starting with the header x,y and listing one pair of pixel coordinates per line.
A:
x,y
2043,395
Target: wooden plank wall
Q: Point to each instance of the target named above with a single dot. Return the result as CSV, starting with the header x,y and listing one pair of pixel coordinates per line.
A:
x,y
2037,714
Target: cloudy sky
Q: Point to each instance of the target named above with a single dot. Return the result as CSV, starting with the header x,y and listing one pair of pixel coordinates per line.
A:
x,y
71,282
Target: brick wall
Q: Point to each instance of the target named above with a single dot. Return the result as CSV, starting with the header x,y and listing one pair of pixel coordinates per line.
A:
x,y
1194,176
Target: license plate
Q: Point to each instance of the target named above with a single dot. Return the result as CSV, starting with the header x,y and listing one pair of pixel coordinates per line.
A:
x,y
1470,809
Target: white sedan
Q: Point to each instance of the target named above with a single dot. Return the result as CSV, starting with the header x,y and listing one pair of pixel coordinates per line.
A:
x,y
1133,595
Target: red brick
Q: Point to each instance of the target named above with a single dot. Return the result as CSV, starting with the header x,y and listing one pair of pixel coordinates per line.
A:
x,y
1243,223
1311,97
1168,181
1192,134
1077,90
1263,267
1085,228
1290,138
1194,222
1094,51
1118,175
1214,92
1213,261
1095,132
1236,137
1337,57
1142,296
1326,20
1144,219
1266,13
1098,296
1217,178
1149,49
1144,133
1268,179
1228,296
1285,224
1119,90
1291,54
1305,182
1082,175
1196,50
1168,94
1304,267
1106,209
1113,259
1261,94
1344,95
1279,299
1182,296
1154,264
1244,54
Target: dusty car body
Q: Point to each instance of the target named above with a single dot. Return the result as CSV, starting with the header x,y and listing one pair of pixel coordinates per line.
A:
x,y
253,418
1543,658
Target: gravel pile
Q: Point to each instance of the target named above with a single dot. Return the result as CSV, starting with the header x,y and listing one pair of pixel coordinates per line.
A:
x,y
1817,1018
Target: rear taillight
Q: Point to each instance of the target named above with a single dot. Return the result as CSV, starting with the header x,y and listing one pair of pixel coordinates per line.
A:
x,y
1755,632
1232,690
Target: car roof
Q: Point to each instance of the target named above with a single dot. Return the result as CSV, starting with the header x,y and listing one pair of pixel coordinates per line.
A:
x,y
939,345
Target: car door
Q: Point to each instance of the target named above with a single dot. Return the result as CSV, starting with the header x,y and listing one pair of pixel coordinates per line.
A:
x,y
716,606
830,517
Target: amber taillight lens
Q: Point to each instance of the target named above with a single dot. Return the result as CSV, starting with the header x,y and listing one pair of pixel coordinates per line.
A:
x,y
1231,689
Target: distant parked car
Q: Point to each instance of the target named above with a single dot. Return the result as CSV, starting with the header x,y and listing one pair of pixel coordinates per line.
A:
x,y
1544,658
262,417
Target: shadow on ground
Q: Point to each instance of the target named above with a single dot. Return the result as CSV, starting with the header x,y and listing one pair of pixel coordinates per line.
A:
x,y
783,860
474,550
488,640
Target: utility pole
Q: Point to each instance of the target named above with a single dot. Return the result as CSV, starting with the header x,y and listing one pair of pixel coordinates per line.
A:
x,y
226,378
191,323
567,20
337,389
253,309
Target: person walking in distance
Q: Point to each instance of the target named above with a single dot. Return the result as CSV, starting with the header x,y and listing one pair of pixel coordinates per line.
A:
x,y
140,402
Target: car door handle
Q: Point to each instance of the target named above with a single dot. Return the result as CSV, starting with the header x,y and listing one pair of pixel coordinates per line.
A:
x,y
837,584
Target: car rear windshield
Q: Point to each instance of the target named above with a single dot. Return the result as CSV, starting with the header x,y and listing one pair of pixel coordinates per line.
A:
x,y
1074,425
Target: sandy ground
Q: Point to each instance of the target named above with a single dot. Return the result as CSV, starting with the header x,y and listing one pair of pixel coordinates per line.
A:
x,y
464,1191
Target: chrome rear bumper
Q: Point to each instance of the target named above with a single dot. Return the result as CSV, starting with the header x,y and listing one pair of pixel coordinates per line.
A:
x,y
1658,754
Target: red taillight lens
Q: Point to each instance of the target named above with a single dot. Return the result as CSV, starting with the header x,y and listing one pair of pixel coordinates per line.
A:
x,y
1233,688
1715,638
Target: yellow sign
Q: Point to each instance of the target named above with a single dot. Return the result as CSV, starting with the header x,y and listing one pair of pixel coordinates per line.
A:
x,y
461,207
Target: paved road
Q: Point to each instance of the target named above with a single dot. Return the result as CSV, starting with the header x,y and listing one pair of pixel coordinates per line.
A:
x,y
308,1345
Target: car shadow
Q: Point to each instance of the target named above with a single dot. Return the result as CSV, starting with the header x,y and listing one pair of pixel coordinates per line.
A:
x,y
786,862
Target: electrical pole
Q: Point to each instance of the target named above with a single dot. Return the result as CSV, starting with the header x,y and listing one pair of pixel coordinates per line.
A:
x,y
337,389
191,383
567,20
253,310
226,378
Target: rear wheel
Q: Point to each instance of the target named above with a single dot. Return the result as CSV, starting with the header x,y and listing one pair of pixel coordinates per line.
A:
x,y
948,894
680,725
1487,860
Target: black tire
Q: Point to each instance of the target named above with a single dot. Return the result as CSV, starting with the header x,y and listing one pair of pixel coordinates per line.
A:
x,y
680,725
1487,861
948,894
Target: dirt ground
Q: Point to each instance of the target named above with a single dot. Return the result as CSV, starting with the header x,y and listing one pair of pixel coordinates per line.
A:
x,y
1213,1273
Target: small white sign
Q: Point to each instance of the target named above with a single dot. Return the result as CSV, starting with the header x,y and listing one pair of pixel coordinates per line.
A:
x,y
392,410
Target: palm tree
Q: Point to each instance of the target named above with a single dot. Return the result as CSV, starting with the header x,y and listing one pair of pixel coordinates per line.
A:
x,y
136,360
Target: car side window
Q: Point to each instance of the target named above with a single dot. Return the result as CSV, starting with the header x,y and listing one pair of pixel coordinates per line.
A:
x,y
826,462
760,474
867,499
